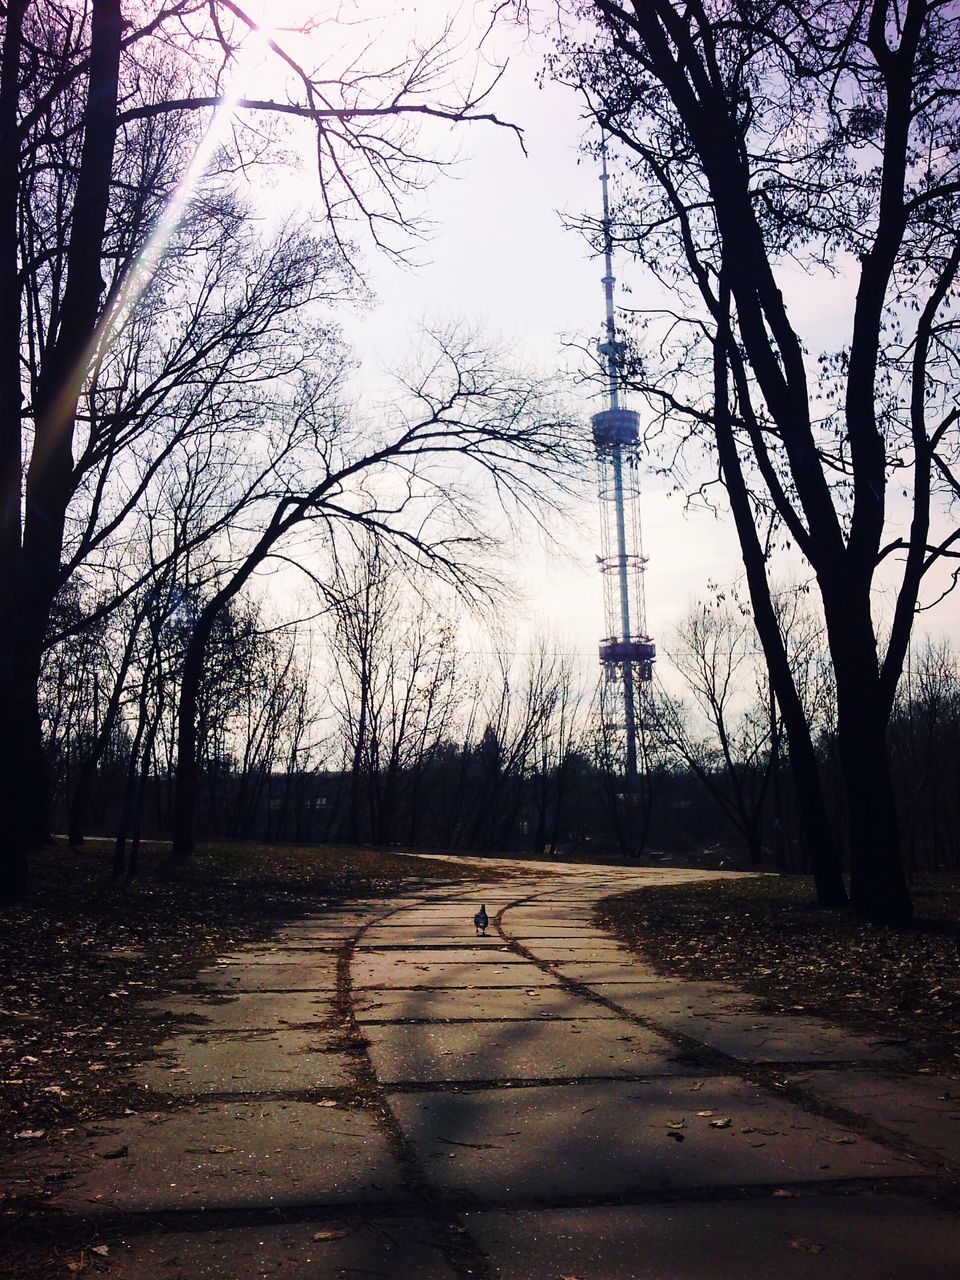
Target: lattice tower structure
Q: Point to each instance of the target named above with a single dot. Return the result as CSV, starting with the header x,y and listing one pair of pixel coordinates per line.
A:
x,y
627,652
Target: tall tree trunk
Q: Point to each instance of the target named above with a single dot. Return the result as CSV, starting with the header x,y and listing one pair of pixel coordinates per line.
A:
x,y
823,850
878,885
30,566
16,738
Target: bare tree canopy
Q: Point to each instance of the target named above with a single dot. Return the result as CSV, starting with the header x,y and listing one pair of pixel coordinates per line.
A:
x,y
114,116
765,141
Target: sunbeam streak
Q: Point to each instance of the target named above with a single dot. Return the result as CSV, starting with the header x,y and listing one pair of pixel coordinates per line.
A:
x,y
144,266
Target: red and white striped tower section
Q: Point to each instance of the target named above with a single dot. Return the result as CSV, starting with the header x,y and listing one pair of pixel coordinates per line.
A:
x,y
627,653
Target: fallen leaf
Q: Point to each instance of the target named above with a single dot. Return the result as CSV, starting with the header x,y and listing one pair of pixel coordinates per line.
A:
x,y
782,1193
30,1133
721,1124
705,1113
807,1246
327,1102
101,1249
676,1124
221,1151
331,1233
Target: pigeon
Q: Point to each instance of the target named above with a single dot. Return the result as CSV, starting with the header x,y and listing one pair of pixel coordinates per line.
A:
x,y
481,920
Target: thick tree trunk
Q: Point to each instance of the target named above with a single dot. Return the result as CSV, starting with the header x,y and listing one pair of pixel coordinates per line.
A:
x,y
20,768
878,885
30,565
822,848
15,744
816,832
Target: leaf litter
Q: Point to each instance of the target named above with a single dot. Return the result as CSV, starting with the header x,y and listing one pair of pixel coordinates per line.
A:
x,y
765,934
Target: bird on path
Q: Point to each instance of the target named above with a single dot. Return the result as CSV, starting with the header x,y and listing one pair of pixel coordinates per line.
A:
x,y
481,920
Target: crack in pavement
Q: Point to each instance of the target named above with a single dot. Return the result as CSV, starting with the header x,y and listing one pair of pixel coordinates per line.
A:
x,y
452,1201
712,1061
451,1236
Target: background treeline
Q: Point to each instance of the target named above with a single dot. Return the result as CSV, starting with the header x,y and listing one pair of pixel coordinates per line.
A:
x,y
379,722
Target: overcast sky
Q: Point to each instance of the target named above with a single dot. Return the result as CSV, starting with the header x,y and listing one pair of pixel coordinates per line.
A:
x,y
500,259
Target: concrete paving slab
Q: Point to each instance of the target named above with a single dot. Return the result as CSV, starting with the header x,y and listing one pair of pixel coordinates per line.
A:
x,y
587,953
295,950
320,975
449,910
252,1011
478,1004
631,970
233,1155
338,928
304,956
416,935
518,1050
480,951
250,1062
618,1138
818,1238
514,920
297,1251
674,997
769,1038
923,1108
377,970
563,936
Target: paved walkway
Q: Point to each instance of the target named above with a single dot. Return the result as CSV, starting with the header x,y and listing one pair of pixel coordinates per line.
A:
x,y
379,1092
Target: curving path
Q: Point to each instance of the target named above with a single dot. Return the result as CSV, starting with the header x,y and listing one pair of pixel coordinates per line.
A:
x,y
380,1092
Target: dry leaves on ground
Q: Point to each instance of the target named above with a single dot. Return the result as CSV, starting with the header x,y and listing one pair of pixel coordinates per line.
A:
x,y
764,934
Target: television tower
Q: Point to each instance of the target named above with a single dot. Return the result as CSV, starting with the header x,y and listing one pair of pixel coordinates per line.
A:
x,y
627,653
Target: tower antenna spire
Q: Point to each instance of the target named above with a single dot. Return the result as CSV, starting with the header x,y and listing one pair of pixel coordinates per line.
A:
x,y
608,347
627,653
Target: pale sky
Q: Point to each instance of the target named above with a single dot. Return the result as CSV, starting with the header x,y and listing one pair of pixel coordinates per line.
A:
x,y
500,260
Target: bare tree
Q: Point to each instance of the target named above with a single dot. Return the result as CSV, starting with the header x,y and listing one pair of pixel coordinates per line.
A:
x,y
734,759
704,98
102,116
397,482
559,738
394,658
